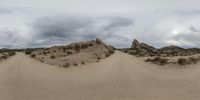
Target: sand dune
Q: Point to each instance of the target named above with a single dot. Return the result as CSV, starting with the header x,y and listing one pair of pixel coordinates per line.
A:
x,y
118,77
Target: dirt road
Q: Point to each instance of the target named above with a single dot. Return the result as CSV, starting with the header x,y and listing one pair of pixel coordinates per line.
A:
x,y
119,77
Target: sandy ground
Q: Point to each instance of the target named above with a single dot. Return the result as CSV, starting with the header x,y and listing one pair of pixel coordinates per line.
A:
x,y
119,77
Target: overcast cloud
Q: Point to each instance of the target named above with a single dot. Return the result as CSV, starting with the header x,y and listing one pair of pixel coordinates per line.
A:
x,y
36,23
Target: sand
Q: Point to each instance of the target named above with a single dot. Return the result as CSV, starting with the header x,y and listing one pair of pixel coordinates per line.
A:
x,y
118,77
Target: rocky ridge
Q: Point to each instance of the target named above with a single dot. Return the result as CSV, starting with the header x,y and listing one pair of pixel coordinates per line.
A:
x,y
145,50
74,54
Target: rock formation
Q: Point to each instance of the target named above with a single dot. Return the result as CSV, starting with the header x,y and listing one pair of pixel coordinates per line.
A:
x,y
144,50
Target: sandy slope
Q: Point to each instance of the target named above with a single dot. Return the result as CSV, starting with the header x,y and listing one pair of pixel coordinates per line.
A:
x,y
119,77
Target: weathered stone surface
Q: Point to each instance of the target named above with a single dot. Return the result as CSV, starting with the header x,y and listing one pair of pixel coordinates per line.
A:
x,y
135,45
143,49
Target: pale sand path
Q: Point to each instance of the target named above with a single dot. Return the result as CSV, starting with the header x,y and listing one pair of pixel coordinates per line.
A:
x,y
119,77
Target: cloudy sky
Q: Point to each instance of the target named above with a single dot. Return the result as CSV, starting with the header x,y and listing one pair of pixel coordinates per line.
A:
x,y
36,23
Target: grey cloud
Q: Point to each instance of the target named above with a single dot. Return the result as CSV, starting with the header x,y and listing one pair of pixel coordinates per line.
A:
x,y
9,38
194,29
59,29
58,26
9,10
155,22
2,11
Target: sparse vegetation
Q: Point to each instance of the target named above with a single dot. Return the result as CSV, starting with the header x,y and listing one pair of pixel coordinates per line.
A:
x,y
11,53
182,61
99,58
192,60
52,57
77,47
69,53
33,55
89,51
75,64
45,53
3,57
107,55
158,60
66,65
111,51
83,63
29,51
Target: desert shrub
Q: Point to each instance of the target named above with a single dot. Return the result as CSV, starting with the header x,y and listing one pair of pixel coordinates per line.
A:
x,y
90,44
66,65
4,57
148,60
182,61
77,47
28,51
83,63
75,64
84,46
64,49
192,60
69,53
33,55
98,58
111,51
11,53
44,53
158,60
107,55
163,61
52,57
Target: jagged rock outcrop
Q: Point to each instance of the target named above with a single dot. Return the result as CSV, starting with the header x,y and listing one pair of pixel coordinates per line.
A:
x,y
149,48
136,45
142,49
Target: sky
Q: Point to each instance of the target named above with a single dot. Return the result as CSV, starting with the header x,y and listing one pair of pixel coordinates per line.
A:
x,y
41,23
